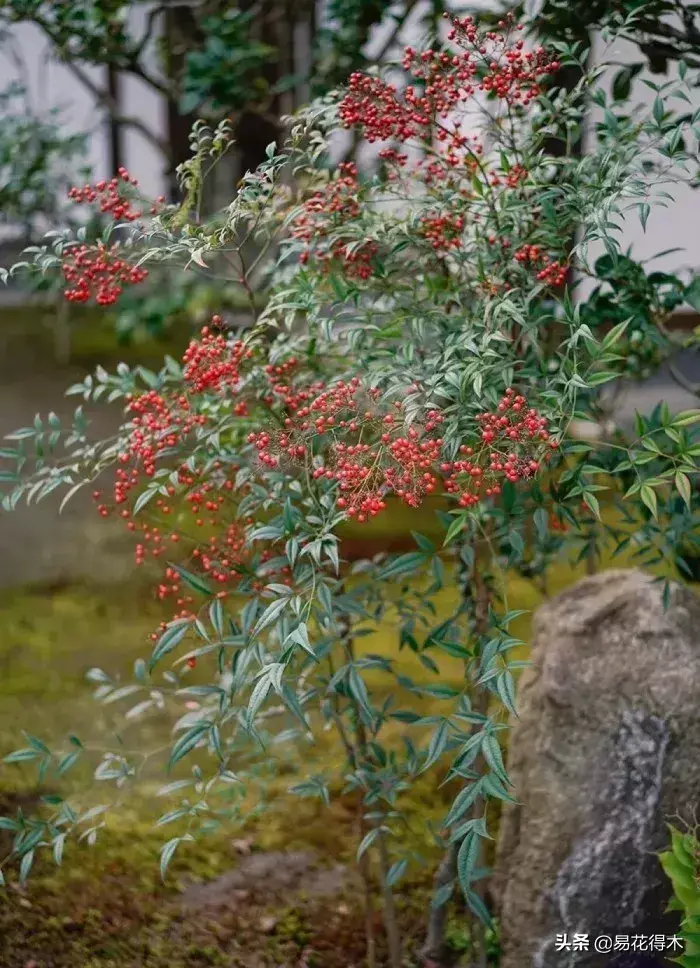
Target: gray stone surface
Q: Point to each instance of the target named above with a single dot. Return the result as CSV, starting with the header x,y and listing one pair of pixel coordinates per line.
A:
x,y
605,752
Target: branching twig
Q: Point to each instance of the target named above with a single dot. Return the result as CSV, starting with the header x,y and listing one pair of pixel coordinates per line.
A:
x,y
105,99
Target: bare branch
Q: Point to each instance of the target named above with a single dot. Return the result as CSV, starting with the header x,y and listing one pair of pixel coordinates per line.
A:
x,y
105,99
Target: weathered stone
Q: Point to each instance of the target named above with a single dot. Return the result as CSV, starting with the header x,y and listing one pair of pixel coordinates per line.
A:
x,y
605,752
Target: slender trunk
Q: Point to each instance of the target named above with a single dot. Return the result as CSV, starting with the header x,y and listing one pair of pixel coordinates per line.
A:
x,y
389,913
116,130
356,750
391,920
480,705
366,875
434,951
180,30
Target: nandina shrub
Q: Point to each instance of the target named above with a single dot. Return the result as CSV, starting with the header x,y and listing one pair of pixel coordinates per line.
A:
x,y
417,339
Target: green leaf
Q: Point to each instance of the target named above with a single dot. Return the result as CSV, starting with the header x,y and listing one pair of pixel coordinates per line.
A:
x,y
194,581
357,687
683,487
437,746
425,544
58,845
271,614
685,418
402,565
467,859
367,841
292,703
462,803
67,761
644,210
169,640
541,519
216,617
493,756
143,499
26,866
692,294
505,686
266,533
592,502
477,905
258,696
396,872
300,635
493,787
457,526
597,379
658,110
187,742
615,334
20,756
167,852
648,496
442,895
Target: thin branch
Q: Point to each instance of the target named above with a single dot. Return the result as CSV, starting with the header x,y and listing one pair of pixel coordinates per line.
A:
x,y
433,950
105,99
393,36
391,921
138,71
153,15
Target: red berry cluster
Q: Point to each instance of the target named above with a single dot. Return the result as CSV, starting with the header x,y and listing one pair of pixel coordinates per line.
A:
x,y
109,198
373,105
512,437
203,535
98,271
213,363
159,424
550,271
515,176
324,213
390,156
443,232
201,501
488,62
359,446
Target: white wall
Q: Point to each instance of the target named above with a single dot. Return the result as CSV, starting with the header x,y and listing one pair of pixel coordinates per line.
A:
x,y
52,84
673,226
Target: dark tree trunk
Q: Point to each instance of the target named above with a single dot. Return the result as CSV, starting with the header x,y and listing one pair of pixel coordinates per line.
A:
x,y
116,133
181,30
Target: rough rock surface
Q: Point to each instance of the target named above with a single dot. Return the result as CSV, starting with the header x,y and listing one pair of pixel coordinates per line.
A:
x,y
605,752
